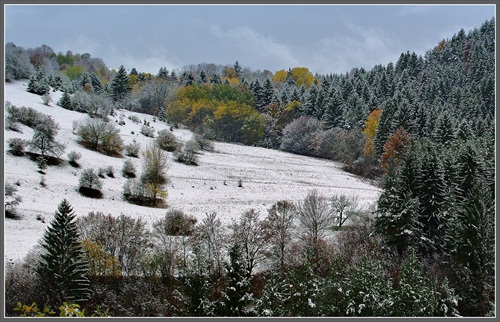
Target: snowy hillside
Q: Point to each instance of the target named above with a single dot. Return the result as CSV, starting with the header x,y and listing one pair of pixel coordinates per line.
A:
x,y
268,176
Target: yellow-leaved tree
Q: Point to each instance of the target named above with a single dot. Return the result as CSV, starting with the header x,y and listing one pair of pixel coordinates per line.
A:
x,y
370,130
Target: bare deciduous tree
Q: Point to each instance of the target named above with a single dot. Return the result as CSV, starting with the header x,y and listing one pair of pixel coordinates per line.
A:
x,y
343,208
279,223
314,217
253,238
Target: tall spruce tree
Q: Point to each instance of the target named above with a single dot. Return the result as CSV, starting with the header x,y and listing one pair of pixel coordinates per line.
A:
x,y
61,270
120,85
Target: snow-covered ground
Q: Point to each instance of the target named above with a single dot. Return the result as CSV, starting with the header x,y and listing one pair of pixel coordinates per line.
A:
x,y
268,176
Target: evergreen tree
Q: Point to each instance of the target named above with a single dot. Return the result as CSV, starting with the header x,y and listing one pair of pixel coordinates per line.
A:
x,y
237,69
203,77
65,101
237,293
61,269
93,80
215,79
432,191
120,85
268,92
38,83
310,105
163,73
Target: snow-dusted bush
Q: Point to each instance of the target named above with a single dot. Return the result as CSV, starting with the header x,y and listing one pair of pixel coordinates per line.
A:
x,y
110,172
73,157
90,185
128,170
134,119
187,154
41,163
148,131
12,200
133,149
166,140
98,135
16,146
204,143
100,172
46,99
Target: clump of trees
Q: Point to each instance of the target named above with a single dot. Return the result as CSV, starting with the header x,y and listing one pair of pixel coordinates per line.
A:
x,y
282,264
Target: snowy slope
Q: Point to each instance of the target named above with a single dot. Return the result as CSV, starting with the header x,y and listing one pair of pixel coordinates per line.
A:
x,y
268,176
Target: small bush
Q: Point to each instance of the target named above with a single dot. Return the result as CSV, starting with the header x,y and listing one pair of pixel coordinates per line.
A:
x,y
133,149
134,119
41,162
46,99
11,125
43,182
128,170
204,143
12,200
148,131
187,153
167,141
110,172
101,172
16,146
73,157
90,185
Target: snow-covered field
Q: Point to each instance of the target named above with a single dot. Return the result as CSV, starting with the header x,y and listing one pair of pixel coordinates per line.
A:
x,y
268,176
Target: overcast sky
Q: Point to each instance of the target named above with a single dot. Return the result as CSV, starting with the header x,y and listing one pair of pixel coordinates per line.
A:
x,y
324,38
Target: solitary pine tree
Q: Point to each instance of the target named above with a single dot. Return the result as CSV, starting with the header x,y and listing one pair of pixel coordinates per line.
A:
x,y
65,101
120,85
61,270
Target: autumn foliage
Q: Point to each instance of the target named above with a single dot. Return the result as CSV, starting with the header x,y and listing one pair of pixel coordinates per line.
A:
x,y
370,130
394,147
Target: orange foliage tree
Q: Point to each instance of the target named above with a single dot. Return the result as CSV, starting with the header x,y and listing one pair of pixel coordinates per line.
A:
x,y
395,147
